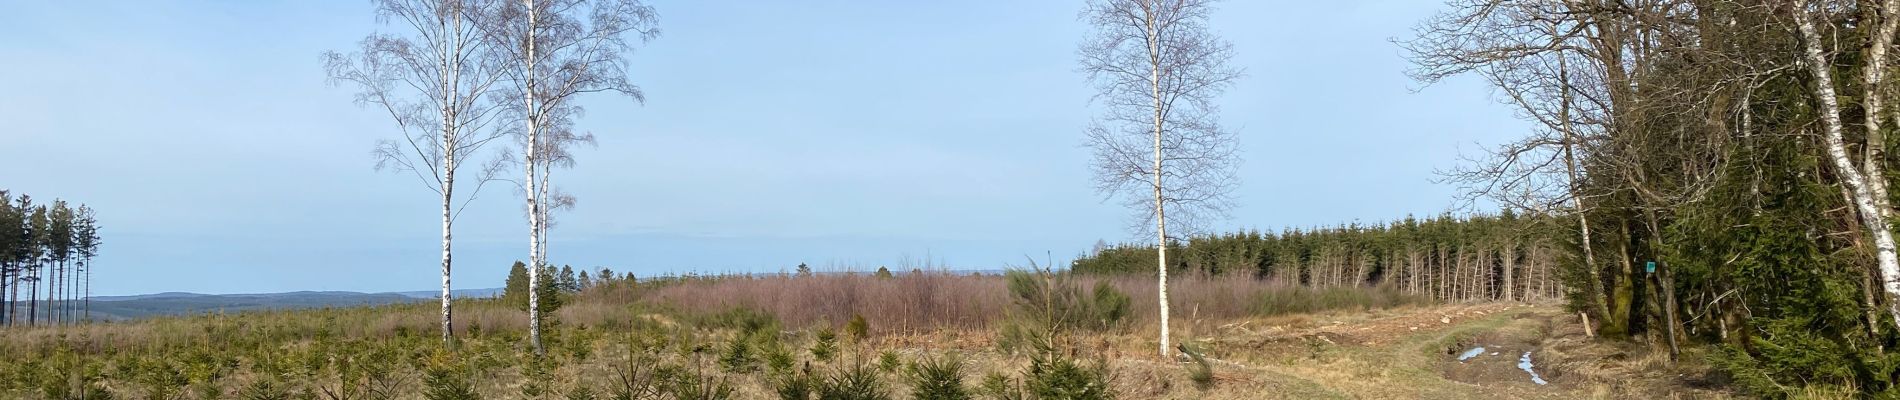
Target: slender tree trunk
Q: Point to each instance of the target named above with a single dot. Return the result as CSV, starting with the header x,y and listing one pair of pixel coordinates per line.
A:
x,y
1874,148
1161,220
1873,209
448,192
52,293
13,300
88,289
1663,281
33,297
6,273
61,300
1872,82
531,157
1668,280
1509,258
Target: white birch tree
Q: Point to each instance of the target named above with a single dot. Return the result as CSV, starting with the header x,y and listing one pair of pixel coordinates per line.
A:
x,y
555,51
1158,145
1862,181
434,83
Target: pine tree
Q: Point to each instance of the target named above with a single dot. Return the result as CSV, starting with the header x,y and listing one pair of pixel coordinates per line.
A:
x,y
567,282
515,290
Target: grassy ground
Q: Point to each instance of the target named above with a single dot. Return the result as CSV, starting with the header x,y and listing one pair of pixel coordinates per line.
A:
x,y
609,341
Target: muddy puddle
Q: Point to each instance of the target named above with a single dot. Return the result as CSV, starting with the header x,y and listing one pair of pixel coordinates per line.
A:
x,y
1487,362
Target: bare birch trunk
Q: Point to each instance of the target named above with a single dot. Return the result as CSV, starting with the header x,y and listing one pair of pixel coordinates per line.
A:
x,y
1873,209
530,180
1161,216
1595,289
1872,80
448,183
448,201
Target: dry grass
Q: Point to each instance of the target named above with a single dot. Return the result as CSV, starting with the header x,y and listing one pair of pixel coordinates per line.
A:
x,y
929,301
1342,353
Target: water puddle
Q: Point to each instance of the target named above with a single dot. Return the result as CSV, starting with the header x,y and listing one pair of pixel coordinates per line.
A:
x,y
1524,363
1468,354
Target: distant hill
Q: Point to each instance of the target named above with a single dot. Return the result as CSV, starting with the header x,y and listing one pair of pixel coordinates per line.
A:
x,y
119,308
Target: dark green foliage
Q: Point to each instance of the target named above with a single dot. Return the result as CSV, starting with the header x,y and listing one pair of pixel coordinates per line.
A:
x,y
999,386
697,383
1045,301
551,296
888,362
1108,307
64,374
747,321
857,328
1052,375
566,282
778,358
794,386
446,378
825,346
46,253
1046,307
583,392
937,378
883,272
1199,371
855,382
265,389
515,290
537,378
737,357
1300,299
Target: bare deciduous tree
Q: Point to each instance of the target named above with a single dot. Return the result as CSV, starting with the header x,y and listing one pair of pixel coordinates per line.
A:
x,y
556,50
434,83
1159,145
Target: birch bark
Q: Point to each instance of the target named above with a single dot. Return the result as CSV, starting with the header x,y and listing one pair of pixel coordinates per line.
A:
x,y
1872,209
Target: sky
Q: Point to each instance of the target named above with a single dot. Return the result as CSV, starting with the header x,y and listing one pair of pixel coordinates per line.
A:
x,y
841,134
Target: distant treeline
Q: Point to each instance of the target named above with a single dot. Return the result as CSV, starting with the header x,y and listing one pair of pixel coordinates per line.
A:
x,y
45,251
1450,258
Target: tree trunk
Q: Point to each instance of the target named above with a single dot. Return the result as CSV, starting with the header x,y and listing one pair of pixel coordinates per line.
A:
x,y
532,157
89,289
1509,257
33,296
13,301
1161,221
1669,307
5,274
1873,209
448,219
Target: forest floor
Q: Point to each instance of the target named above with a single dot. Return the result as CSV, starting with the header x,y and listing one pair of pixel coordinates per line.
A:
x,y
1402,353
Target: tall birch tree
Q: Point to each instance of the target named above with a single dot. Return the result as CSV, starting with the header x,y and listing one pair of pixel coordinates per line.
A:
x,y
434,83
1862,182
555,51
1158,144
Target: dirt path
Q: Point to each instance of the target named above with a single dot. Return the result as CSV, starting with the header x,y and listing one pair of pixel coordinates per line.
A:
x,y
1411,353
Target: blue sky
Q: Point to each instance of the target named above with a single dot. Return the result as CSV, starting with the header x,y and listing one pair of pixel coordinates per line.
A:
x,y
849,133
